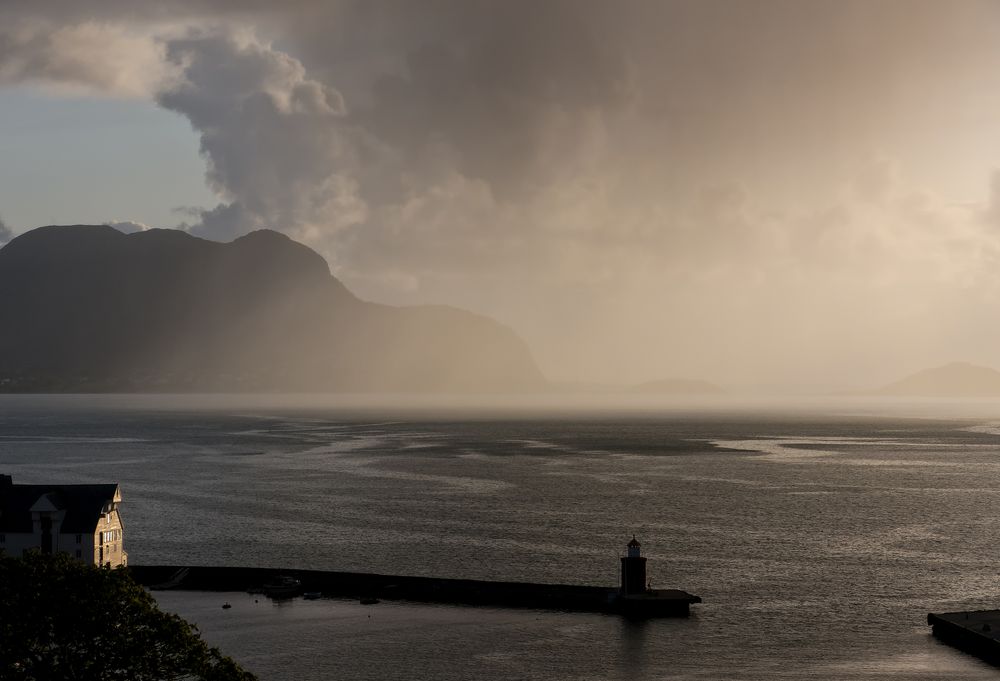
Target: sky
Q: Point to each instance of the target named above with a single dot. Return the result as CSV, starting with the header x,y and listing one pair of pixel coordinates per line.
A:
x,y
767,194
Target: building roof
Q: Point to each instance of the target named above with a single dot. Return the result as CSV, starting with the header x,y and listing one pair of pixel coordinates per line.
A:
x,y
634,543
83,504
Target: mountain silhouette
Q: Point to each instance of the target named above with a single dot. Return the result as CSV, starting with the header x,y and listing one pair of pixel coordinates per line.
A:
x,y
87,308
958,379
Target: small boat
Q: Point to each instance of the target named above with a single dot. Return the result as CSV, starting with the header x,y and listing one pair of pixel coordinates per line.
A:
x,y
312,595
283,586
226,605
369,600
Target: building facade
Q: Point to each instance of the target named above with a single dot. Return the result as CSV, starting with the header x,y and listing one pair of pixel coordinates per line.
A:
x,y
80,520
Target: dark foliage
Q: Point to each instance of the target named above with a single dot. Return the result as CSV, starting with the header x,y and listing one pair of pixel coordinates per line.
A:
x,y
64,619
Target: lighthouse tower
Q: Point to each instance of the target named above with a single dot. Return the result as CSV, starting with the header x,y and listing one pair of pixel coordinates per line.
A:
x,y
633,570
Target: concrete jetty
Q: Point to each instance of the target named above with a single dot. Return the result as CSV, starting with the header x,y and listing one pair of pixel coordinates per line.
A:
x,y
976,632
360,585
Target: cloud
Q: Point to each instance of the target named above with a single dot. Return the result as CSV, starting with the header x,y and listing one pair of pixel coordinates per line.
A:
x,y
128,226
89,57
5,233
505,98
639,188
277,143
515,114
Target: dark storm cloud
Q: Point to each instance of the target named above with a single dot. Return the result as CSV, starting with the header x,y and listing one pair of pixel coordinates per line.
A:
x,y
491,83
474,97
485,84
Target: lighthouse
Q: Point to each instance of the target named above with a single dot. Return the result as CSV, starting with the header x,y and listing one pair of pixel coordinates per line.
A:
x,y
633,570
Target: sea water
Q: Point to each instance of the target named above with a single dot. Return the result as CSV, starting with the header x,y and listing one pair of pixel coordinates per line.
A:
x,y
819,535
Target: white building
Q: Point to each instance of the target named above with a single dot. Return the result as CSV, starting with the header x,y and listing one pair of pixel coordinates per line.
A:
x,y
81,520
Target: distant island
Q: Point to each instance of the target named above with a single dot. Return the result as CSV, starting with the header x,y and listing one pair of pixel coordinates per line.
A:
x,y
87,308
958,379
677,386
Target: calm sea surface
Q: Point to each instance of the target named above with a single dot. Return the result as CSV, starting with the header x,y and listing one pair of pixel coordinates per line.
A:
x,y
819,536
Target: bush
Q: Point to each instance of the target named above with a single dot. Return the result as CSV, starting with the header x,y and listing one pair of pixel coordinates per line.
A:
x,y
63,619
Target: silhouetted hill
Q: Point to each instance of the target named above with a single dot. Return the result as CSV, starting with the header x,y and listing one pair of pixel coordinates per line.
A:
x,y
958,379
88,308
677,386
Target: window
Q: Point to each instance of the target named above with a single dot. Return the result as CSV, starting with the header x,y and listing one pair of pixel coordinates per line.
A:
x,y
79,554
79,540
3,538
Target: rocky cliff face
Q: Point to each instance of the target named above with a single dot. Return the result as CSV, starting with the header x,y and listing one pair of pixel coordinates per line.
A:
x,y
87,308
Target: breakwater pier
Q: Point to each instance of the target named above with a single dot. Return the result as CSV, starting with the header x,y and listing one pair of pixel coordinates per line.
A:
x,y
976,632
633,598
361,585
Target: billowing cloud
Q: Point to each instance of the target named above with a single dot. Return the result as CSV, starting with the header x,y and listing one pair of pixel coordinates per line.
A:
x,y
276,142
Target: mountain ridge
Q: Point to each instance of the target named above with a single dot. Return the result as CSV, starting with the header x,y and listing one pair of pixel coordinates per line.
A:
x,y
162,310
956,379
